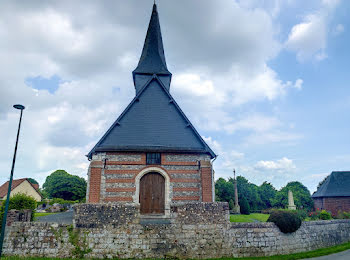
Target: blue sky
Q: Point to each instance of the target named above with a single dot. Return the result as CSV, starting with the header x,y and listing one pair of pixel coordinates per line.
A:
x,y
266,83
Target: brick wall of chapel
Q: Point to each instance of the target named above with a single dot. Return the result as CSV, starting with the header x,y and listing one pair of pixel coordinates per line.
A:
x,y
112,176
333,204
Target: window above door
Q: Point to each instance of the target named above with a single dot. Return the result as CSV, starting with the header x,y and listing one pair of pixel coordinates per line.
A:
x,y
153,158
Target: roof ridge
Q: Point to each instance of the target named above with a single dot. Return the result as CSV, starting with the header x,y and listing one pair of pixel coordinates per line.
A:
x,y
154,77
335,185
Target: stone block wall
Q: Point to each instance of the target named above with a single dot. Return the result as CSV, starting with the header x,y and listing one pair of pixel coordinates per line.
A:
x,y
15,215
104,215
111,215
333,204
112,176
180,240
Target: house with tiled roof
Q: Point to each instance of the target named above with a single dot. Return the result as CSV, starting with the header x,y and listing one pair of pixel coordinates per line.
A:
x,y
334,193
21,186
152,155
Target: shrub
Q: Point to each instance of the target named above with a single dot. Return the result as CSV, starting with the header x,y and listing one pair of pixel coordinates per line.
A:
x,y
314,215
19,201
22,201
343,215
302,214
324,215
287,221
245,209
346,215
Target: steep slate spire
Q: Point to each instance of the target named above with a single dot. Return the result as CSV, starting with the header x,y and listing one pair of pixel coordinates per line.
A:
x,y
152,59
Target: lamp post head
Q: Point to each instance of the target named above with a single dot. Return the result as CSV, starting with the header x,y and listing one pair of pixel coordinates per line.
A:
x,y
18,106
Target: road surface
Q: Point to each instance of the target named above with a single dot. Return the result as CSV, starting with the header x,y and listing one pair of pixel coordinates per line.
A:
x,y
345,255
61,218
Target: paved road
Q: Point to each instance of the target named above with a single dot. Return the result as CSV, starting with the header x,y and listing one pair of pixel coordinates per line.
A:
x,y
62,218
345,255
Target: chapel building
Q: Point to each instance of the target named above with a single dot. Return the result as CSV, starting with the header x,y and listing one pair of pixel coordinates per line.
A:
x,y
152,155
334,193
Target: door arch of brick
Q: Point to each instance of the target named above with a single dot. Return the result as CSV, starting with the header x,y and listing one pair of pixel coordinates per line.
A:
x,y
136,197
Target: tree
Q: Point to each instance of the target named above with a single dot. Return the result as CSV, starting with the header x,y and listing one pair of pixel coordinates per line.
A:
x,y
224,190
302,196
245,209
31,180
267,193
249,191
231,204
61,184
321,182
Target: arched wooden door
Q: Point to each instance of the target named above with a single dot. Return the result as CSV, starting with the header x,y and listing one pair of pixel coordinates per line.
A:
x,y
152,193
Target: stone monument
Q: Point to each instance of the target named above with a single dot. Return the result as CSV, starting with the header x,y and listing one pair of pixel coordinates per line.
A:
x,y
291,205
236,209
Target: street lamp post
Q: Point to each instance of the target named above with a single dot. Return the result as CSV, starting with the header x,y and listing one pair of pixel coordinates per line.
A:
x,y
3,226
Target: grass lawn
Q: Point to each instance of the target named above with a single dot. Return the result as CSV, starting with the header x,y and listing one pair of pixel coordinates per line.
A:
x,y
254,217
40,214
315,253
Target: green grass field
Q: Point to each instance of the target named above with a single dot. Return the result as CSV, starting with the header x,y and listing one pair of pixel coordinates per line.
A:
x,y
254,217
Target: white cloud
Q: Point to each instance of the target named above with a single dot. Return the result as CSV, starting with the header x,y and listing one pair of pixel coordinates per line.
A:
x,y
283,164
339,29
330,3
309,38
298,84
274,136
219,61
257,123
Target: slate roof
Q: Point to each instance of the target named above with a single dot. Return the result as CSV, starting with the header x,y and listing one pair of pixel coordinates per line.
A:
x,y
15,183
153,121
152,59
337,184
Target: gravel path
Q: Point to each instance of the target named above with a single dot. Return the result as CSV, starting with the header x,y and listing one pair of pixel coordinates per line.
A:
x,y
62,218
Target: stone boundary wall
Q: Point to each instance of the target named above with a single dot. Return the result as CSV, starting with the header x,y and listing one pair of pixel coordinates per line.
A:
x,y
15,215
110,215
171,240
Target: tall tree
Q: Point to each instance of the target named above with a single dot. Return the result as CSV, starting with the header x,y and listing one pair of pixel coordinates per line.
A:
x,y
31,180
249,191
267,193
224,190
61,184
301,194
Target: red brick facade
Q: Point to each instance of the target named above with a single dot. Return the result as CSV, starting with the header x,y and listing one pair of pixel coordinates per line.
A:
x,y
112,176
333,204
94,185
207,185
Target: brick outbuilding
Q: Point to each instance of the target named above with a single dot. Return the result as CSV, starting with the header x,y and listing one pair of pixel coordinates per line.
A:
x,y
152,155
334,193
